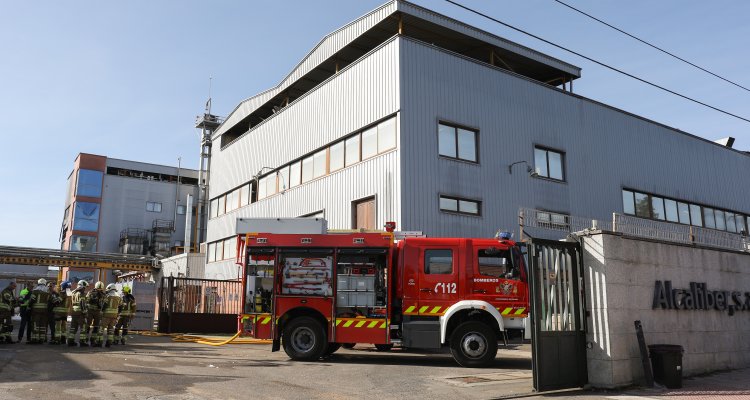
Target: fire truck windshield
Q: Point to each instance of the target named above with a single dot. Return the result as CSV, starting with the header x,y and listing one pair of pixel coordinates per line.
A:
x,y
498,263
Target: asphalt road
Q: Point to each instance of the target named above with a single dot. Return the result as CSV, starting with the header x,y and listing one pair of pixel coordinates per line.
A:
x,y
157,368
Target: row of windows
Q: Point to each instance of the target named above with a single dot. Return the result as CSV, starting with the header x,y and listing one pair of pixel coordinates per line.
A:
x,y
490,262
222,250
665,209
360,146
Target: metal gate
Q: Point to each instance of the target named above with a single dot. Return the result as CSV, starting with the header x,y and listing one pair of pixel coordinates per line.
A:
x,y
199,305
557,317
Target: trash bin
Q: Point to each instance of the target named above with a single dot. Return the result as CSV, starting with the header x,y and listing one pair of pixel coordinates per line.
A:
x,y
666,362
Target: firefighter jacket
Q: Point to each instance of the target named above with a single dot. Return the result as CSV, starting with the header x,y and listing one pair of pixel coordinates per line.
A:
x,y
127,305
111,304
40,298
78,302
95,300
7,301
60,302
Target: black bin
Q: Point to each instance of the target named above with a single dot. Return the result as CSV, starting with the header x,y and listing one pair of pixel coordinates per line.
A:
x,y
666,361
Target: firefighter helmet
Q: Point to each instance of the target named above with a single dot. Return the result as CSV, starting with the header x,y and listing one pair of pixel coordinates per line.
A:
x,y
111,286
82,283
41,281
126,289
99,285
64,285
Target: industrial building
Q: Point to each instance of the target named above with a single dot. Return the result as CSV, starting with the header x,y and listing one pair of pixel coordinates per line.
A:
x,y
129,207
410,116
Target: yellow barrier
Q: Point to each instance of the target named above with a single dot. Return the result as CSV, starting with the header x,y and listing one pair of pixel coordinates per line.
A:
x,y
182,338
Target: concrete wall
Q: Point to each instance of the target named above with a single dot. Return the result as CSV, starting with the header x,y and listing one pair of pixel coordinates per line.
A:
x,y
620,275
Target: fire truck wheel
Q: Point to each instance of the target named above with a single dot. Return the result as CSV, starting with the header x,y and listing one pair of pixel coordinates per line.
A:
x,y
383,347
348,345
473,344
332,347
304,339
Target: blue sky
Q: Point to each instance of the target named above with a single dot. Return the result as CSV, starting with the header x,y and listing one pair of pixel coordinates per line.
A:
x,y
126,79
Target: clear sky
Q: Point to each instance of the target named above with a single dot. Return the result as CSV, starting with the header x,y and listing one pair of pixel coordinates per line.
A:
x,y
125,79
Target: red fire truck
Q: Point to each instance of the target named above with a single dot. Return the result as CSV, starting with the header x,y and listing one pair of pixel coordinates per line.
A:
x,y
311,293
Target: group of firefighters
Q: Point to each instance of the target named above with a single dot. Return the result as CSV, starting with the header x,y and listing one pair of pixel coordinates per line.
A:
x,y
101,316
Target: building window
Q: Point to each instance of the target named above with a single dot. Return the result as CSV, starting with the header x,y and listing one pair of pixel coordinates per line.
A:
x,y
456,142
180,210
369,143
307,169
86,217
552,220
459,205
438,262
82,243
337,156
89,183
352,150
295,174
549,163
387,135
214,208
319,164
663,209
153,206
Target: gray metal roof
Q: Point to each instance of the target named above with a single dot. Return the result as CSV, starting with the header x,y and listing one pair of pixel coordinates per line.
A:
x,y
429,24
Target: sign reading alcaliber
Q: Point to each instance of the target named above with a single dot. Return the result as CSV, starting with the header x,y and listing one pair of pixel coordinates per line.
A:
x,y
698,297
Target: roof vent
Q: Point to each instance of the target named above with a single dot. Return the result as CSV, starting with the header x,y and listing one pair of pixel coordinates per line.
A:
x,y
727,141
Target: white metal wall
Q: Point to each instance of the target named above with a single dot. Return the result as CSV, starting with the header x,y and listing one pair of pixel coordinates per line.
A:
x,y
361,94
605,149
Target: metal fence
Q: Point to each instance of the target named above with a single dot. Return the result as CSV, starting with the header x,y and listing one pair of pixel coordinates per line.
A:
x,y
634,226
199,305
201,296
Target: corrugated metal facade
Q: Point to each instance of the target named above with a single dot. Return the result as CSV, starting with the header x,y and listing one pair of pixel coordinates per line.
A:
x,y
361,94
605,149
327,47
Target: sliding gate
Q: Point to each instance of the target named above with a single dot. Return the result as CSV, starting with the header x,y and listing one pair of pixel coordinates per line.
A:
x,y
199,305
557,317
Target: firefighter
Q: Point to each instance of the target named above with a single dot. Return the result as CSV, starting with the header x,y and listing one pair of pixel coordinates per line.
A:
x,y
53,298
127,312
39,311
109,313
77,313
7,303
24,300
94,303
61,302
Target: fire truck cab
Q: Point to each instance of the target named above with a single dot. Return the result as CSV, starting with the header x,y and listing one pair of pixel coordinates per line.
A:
x,y
312,293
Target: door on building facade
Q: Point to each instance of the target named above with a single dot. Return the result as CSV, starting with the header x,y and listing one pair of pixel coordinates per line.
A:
x,y
558,334
364,214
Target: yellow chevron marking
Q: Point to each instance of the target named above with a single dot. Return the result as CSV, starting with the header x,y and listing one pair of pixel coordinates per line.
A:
x,y
435,309
348,323
338,321
520,311
382,326
360,323
507,311
410,309
266,320
423,309
372,324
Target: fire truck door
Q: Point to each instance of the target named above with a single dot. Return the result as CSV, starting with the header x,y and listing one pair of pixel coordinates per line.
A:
x,y
438,280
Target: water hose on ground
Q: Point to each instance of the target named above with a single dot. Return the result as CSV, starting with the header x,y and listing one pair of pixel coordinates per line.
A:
x,y
183,338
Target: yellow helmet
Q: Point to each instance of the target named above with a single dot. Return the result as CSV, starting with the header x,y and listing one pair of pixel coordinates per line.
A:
x,y
126,289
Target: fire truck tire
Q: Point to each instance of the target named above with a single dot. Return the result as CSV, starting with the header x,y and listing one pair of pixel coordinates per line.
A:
x,y
384,347
304,339
473,344
332,347
348,345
